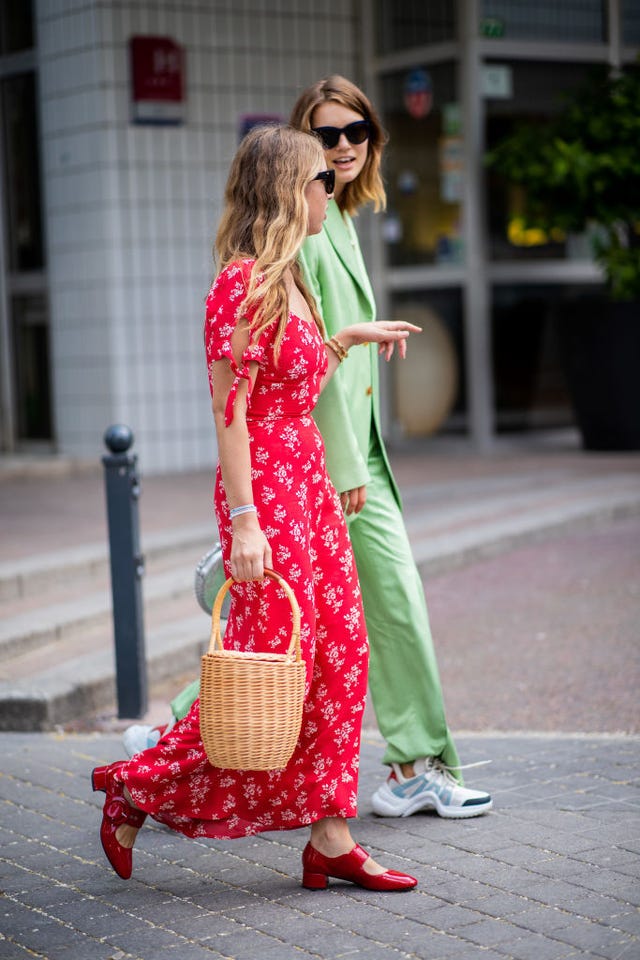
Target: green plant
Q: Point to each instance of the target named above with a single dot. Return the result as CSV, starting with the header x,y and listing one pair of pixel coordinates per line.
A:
x,y
582,168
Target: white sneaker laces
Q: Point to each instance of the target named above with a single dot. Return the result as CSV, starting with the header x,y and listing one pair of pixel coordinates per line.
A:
x,y
436,766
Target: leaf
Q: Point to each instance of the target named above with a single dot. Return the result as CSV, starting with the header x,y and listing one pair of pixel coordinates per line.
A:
x,y
583,165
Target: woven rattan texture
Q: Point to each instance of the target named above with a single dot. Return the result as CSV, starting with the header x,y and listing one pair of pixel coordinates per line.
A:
x,y
251,703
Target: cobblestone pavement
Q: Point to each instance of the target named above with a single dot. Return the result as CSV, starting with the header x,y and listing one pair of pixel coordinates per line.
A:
x,y
551,873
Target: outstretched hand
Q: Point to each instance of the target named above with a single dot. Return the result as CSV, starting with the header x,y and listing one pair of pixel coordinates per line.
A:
x,y
386,333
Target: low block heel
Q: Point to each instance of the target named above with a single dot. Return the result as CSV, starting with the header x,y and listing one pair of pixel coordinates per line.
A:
x,y
314,881
316,870
116,811
99,778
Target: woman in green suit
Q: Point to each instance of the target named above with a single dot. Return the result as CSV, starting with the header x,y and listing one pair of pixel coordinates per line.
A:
x,y
403,676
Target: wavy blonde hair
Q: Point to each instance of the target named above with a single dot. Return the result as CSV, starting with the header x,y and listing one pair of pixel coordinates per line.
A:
x,y
265,218
368,186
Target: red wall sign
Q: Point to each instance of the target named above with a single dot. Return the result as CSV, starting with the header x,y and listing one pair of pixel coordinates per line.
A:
x,y
157,80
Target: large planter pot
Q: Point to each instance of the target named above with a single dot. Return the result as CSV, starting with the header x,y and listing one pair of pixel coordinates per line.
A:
x,y
600,345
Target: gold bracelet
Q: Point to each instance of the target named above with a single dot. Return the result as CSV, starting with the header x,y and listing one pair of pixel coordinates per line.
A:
x,y
331,347
338,348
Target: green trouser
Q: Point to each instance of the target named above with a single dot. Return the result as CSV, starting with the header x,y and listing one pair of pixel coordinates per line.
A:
x,y
403,671
181,704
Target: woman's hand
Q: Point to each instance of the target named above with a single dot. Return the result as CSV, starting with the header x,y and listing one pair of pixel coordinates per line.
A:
x,y
386,333
250,550
353,501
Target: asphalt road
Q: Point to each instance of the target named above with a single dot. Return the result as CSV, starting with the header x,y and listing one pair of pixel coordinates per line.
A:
x,y
545,637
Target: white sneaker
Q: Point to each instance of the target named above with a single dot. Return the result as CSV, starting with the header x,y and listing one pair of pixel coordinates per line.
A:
x,y
432,786
140,737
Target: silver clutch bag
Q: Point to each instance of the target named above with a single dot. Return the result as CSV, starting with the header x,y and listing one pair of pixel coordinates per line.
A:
x,y
209,578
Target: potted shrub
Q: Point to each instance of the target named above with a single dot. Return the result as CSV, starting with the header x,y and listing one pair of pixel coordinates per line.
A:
x,y
580,170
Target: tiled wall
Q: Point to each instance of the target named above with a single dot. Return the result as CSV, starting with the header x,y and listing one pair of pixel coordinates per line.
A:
x,y
131,210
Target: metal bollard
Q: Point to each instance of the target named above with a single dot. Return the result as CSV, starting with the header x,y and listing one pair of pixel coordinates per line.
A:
x,y
122,488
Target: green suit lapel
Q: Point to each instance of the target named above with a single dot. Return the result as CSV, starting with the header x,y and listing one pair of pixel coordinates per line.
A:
x,y
341,233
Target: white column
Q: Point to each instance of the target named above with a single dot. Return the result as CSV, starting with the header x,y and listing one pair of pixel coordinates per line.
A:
x,y
476,298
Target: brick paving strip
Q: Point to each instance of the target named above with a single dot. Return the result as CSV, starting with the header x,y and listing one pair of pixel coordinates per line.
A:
x,y
551,873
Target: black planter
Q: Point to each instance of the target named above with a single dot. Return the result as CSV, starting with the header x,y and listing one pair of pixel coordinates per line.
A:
x,y
600,346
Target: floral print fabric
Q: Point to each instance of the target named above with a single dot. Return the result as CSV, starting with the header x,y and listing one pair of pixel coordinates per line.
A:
x,y
301,516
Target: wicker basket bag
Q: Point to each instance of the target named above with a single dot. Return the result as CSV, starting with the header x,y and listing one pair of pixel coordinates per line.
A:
x,y
251,703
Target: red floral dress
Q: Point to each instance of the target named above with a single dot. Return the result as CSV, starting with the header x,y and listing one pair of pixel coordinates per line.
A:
x,y
300,514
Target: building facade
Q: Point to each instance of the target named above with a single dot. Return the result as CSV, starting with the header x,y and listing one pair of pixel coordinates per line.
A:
x,y
119,121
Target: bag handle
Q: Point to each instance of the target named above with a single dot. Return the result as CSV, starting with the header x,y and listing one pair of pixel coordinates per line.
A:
x,y
215,639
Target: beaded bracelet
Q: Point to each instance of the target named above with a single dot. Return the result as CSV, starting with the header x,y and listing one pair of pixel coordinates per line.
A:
x,y
338,348
245,508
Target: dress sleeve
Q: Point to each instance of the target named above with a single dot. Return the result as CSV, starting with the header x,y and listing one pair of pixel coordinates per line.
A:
x,y
223,310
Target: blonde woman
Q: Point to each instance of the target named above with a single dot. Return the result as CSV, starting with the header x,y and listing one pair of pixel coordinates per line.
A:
x,y
404,679
268,361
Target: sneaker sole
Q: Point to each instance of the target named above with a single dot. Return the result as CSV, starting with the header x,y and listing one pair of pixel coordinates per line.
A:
x,y
385,807
133,746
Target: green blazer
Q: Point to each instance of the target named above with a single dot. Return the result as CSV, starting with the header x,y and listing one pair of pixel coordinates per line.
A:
x,y
348,411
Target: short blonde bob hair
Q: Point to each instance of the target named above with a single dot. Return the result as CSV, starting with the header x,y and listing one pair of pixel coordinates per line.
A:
x,y
368,186
266,217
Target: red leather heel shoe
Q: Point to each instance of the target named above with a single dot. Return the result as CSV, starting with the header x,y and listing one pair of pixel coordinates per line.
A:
x,y
316,870
116,810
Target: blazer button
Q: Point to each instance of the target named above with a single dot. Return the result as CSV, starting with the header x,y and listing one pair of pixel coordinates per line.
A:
x,y
369,391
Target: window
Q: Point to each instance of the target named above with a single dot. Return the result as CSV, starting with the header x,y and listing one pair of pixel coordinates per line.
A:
x,y
573,21
529,383
16,26
422,171
412,23
631,22
22,172
24,326
31,357
537,93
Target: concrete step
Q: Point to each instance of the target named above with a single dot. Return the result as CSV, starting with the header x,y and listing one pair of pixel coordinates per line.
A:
x,y
72,683
483,518
46,573
57,607
63,621
56,645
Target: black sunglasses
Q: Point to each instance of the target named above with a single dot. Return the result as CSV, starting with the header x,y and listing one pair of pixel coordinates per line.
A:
x,y
356,132
328,177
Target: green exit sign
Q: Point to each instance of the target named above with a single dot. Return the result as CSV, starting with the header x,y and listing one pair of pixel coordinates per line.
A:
x,y
492,27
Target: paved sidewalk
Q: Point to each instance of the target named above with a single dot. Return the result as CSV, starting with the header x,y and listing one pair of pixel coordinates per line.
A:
x,y
459,508
456,503
532,563
551,873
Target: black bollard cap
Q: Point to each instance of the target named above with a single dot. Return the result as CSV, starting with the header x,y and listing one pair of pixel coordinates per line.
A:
x,y
118,438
